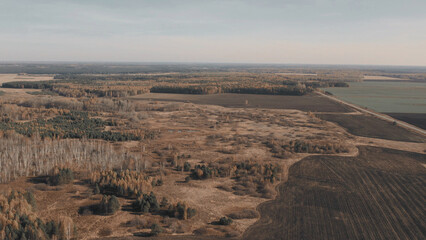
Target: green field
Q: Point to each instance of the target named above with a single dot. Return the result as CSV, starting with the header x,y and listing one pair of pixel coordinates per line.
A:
x,y
388,97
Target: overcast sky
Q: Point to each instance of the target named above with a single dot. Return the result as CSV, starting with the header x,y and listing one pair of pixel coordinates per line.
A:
x,y
388,32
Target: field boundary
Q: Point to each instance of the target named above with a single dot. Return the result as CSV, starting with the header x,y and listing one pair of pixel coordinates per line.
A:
x,y
378,115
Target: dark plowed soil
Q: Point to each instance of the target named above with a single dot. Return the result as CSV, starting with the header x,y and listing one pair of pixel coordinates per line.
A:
x,y
381,194
368,126
416,119
170,237
311,102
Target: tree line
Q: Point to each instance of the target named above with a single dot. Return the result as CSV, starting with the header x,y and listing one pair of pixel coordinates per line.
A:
x,y
72,124
23,156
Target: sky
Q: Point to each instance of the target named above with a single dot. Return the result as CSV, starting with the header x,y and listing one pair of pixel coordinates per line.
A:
x,y
378,32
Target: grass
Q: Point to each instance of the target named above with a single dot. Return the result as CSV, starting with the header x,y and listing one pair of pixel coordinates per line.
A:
x,y
397,97
42,92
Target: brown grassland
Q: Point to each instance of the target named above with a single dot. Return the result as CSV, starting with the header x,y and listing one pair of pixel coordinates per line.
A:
x,y
204,166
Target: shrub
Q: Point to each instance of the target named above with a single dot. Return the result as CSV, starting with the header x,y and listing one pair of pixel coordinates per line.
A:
x,y
29,196
109,205
113,204
96,190
191,212
105,232
156,229
225,221
187,167
146,203
64,176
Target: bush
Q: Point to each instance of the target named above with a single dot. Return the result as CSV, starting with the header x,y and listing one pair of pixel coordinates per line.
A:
x,y
29,196
146,203
156,229
64,176
191,212
225,221
105,232
113,204
109,205
187,167
96,190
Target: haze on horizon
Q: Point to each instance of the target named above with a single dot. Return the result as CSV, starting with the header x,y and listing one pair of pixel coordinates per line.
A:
x,y
379,32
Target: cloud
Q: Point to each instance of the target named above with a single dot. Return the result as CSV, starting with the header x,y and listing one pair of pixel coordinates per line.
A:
x,y
216,30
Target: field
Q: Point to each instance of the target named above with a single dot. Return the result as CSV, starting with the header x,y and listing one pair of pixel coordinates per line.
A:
x,y
24,77
172,133
383,78
385,96
368,126
310,102
169,152
416,119
379,194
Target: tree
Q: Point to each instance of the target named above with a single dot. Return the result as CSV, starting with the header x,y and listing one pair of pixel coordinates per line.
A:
x,y
29,196
164,202
64,176
186,167
182,211
191,212
97,190
103,205
113,204
109,205
156,229
225,221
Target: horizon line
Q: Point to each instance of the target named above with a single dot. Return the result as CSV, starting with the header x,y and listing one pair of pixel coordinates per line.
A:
x,y
199,63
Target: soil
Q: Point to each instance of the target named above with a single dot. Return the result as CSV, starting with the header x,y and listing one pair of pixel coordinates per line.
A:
x,y
369,126
416,119
379,194
310,102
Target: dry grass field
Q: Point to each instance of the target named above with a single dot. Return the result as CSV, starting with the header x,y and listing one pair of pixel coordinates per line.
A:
x,y
282,167
212,135
24,78
383,78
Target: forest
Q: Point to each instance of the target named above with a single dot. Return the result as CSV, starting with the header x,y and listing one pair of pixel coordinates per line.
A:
x,y
122,85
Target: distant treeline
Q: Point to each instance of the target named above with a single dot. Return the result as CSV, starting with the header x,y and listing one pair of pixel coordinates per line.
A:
x,y
68,90
123,85
33,85
184,89
285,90
326,84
